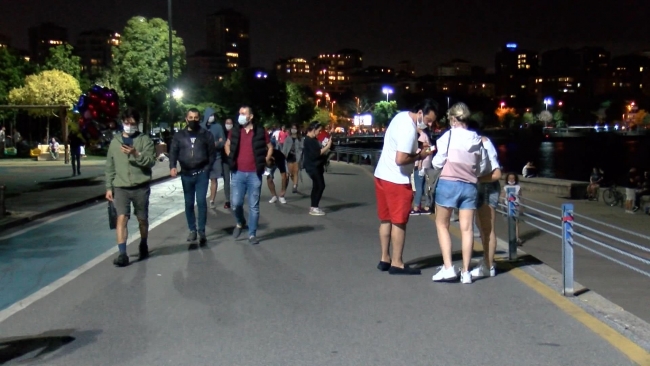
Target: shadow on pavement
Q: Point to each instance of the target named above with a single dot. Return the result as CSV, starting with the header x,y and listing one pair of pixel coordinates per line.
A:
x,y
288,231
531,234
85,182
343,206
341,174
522,261
432,261
32,348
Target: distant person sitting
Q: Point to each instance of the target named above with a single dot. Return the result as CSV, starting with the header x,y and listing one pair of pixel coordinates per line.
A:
x,y
644,191
595,180
529,170
54,149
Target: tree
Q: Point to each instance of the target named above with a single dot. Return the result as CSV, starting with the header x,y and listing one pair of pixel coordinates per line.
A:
x,y
62,59
545,117
13,69
52,87
383,113
558,118
359,106
300,107
322,116
641,118
507,116
529,118
601,113
141,61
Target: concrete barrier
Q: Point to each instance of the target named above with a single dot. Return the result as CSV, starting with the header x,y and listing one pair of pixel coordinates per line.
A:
x,y
557,187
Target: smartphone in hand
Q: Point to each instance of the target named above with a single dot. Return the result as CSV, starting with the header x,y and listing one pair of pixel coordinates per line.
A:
x,y
127,141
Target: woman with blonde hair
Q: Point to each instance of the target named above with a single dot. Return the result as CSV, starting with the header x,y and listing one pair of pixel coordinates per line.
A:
x,y
459,157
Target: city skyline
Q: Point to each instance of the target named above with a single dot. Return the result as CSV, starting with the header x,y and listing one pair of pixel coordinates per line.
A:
x,y
385,37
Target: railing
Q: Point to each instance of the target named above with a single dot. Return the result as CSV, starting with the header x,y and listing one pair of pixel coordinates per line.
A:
x,y
347,154
563,225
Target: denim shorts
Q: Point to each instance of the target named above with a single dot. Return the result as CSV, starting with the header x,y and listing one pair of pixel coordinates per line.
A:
x,y
488,193
454,194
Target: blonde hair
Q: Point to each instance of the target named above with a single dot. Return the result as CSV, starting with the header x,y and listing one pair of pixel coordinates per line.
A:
x,y
460,111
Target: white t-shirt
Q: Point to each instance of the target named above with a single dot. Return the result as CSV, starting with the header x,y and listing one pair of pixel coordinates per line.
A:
x,y
401,135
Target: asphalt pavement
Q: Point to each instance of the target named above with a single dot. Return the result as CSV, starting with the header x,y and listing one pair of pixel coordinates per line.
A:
x,y
308,294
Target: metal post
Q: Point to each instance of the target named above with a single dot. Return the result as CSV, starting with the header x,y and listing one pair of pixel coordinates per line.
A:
x,y
512,228
2,201
64,127
171,66
567,249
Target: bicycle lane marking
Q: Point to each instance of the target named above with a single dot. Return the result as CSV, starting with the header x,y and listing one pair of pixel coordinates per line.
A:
x,y
64,273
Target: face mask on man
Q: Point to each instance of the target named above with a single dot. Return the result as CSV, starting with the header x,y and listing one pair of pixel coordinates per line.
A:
x,y
211,119
193,125
242,120
420,122
228,126
294,131
130,129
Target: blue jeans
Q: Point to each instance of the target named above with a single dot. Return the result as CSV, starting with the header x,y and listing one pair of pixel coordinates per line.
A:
x,y
420,185
196,186
242,183
455,194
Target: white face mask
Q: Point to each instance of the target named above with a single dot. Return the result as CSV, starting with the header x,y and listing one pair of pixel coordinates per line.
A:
x,y
228,126
242,120
511,182
130,129
293,130
211,119
420,123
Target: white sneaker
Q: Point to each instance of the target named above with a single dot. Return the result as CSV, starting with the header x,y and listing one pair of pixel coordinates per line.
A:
x,y
315,211
481,270
274,199
267,172
465,277
445,274
211,204
282,200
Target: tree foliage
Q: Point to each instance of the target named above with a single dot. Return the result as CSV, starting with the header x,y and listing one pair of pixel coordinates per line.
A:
x,y
61,58
383,113
300,106
529,118
558,118
322,116
52,87
141,60
13,69
545,117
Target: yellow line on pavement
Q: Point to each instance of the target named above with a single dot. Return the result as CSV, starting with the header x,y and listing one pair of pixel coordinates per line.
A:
x,y
633,351
630,349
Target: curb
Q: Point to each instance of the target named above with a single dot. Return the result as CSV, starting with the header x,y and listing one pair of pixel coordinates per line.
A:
x,y
70,206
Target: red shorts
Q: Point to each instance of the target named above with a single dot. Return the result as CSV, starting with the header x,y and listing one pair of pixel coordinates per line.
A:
x,y
393,201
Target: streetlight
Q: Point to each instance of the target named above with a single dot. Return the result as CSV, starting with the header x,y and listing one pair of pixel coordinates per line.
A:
x,y
547,102
358,109
447,103
171,64
177,94
388,91
317,102
503,104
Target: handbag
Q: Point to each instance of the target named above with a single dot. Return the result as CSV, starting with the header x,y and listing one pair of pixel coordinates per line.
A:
x,y
436,172
485,167
112,216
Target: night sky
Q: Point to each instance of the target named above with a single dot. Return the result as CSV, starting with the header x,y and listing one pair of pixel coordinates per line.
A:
x,y
426,32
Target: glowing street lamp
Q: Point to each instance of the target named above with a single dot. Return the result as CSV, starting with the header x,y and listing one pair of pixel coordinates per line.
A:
x,y
388,91
547,102
177,94
503,104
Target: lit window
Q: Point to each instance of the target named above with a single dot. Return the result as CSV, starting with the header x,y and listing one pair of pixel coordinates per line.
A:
x,y
227,30
578,85
288,71
234,44
641,69
528,66
523,86
232,54
513,96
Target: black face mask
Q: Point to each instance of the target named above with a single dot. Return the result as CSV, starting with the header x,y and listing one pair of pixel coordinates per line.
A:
x,y
193,125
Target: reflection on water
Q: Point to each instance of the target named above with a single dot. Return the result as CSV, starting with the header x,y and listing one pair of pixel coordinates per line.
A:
x,y
546,165
574,158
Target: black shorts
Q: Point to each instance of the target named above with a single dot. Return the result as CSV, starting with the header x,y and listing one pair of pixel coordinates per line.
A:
x,y
139,196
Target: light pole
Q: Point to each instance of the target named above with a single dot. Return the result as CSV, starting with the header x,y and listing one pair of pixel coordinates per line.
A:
x,y
447,103
171,66
388,91
503,104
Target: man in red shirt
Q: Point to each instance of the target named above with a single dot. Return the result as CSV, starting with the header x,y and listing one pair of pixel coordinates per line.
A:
x,y
249,151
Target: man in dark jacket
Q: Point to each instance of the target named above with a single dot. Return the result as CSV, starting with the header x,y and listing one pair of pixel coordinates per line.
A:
x,y
249,150
210,123
194,148
75,153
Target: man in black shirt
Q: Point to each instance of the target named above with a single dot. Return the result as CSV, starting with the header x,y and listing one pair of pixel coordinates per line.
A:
x,y
194,148
75,153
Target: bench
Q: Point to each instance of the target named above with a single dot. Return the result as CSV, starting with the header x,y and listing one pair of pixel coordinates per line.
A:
x,y
558,187
45,153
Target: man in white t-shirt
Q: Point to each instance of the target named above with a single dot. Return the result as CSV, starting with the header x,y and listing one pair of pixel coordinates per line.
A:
x,y
392,182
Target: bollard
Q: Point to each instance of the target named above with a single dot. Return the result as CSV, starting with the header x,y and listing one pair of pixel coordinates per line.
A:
x,y
512,229
567,249
2,201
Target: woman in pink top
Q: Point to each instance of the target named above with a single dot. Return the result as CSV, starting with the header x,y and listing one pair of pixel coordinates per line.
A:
x,y
459,157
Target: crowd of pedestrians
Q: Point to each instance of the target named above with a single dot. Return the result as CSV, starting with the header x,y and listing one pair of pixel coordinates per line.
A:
x,y
414,176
